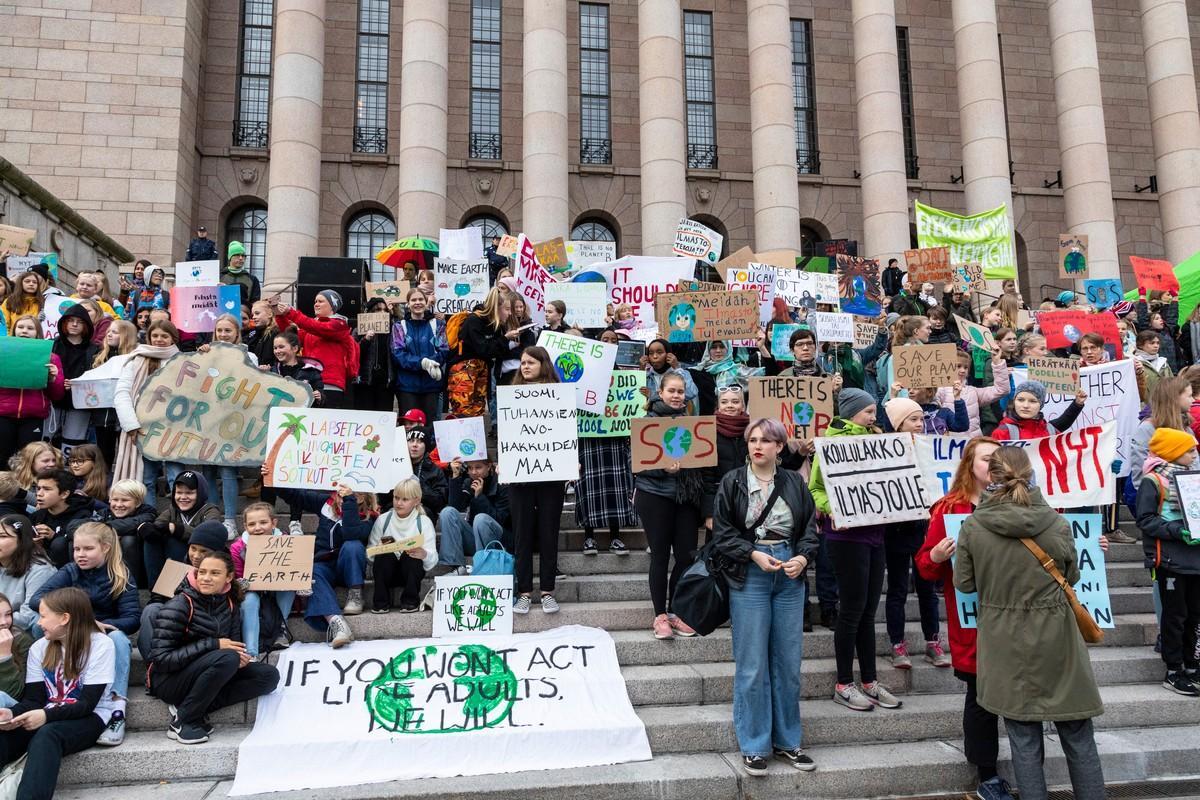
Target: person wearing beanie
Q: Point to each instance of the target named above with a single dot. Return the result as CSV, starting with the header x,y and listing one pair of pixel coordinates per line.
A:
x,y
235,273
1172,553
905,415
1065,299
174,527
1024,419
857,558
434,487
326,337
1163,319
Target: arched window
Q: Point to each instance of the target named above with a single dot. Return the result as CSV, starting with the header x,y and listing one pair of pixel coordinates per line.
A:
x,y
248,225
593,230
810,234
367,233
488,225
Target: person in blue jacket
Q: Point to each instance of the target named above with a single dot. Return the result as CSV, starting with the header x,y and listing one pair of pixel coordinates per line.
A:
x,y
420,351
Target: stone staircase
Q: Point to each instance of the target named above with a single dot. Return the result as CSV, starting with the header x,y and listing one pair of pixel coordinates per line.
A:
x,y
682,690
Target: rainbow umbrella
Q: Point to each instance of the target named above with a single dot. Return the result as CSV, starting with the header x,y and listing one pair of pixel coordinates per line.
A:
x,y
417,249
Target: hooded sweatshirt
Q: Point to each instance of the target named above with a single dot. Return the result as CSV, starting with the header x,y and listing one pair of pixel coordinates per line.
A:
x,y
33,403
185,521
76,358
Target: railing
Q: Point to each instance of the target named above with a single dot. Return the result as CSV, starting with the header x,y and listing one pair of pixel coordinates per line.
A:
x,y
808,162
485,146
702,156
370,140
251,134
595,151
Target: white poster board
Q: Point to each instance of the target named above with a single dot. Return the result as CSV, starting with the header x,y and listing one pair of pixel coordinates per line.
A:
x,y
694,240
459,285
584,254
532,278
197,273
464,438
52,311
831,326
472,606
400,466
583,363
587,303
460,244
872,480
635,280
800,289
756,277
538,437
318,448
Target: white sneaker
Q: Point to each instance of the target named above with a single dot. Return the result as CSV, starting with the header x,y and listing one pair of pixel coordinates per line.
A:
x,y
354,603
231,530
114,734
339,634
295,528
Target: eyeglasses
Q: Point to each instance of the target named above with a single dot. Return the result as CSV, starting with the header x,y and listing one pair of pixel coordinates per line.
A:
x,y
80,460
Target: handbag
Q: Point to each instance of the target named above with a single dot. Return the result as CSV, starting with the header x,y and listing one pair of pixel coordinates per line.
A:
x,y
10,779
701,597
1091,632
492,560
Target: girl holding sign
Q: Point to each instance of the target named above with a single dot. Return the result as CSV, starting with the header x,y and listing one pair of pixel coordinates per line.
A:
x,y
476,344
23,412
162,342
260,521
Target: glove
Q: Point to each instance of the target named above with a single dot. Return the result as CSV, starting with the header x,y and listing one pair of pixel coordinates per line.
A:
x,y
429,365
436,372
1116,466
1188,538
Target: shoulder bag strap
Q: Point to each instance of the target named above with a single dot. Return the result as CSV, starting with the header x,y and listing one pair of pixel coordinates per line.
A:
x,y
1088,628
1048,564
771,498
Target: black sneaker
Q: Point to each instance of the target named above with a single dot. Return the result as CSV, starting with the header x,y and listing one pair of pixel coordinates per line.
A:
x,y
618,548
381,610
754,765
589,547
191,733
797,758
807,618
1177,682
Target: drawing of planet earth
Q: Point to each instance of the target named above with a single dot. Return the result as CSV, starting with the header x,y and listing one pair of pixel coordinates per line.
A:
x,y
802,413
677,442
1072,333
467,447
1075,262
569,367
462,289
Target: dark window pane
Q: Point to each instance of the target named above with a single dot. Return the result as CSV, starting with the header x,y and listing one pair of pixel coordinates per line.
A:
x,y
485,79
248,225
808,157
698,89
906,103
593,230
366,235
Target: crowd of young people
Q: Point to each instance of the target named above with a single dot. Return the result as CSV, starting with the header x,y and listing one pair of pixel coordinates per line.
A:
x,y
90,519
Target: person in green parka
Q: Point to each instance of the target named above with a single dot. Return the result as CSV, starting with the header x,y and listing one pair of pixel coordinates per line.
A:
x,y
1033,664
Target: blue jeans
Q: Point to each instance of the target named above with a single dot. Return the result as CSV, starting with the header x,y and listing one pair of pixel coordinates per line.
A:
x,y
122,648
348,570
460,539
768,636
150,472
250,620
156,553
229,487
7,700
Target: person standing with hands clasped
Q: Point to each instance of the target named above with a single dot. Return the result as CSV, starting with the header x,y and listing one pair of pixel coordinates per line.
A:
x,y
764,521
1033,664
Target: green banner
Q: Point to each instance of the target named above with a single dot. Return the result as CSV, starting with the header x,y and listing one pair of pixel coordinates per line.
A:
x,y
26,362
985,238
625,402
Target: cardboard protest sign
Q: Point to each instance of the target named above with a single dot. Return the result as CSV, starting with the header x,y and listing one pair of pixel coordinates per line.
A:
x,y
835,247
803,404
508,246
1056,374
198,273
872,480
659,442
1103,292
16,240
173,573
635,280
378,322
538,438
391,292
780,259
930,264
694,240
584,363
705,316
858,285
919,366
757,278
1064,328
318,448
1074,468
26,363
700,286
214,408
1154,274
472,606
464,438
832,327
984,238
739,258
1072,255
460,244
968,276
461,706
781,337
974,334
280,563
1187,486
532,278
801,289
584,254
629,353
587,303
624,403
551,254
459,285
866,331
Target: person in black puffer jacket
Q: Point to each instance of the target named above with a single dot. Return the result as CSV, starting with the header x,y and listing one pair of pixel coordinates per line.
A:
x,y
197,662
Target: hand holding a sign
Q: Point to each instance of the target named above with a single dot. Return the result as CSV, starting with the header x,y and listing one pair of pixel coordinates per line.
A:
x,y
943,550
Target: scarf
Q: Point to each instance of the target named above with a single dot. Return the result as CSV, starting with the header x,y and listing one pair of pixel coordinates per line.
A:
x,y
1167,470
732,425
128,464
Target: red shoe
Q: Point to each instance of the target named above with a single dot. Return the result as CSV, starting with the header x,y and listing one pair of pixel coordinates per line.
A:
x,y
679,626
662,628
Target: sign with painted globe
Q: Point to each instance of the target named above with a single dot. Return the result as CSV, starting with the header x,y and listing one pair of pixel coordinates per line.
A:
x,y
585,363
472,605
660,442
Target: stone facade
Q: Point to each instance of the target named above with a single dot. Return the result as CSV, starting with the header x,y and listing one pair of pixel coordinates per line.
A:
x,y
124,109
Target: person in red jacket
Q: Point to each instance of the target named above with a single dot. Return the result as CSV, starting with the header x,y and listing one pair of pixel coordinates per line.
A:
x,y
326,337
23,412
1024,419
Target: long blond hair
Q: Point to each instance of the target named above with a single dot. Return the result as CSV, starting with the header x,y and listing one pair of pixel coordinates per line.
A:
x,y
126,342
1010,472
107,537
491,308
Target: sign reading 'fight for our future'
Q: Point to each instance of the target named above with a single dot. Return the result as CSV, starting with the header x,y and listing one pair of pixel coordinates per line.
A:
x,y
872,480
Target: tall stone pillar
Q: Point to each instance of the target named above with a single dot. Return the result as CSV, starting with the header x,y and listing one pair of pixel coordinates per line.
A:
x,y
880,130
663,136
544,136
772,126
1086,182
1174,123
423,129
294,179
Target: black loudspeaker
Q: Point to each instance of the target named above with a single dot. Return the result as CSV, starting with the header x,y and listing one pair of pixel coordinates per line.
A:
x,y
344,275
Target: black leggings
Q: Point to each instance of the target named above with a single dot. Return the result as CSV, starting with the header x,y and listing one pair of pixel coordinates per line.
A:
x,y
393,570
536,513
670,527
213,681
15,434
859,570
46,747
981,736
426,402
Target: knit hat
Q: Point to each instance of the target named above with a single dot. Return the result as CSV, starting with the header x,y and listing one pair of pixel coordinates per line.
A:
x,y
211,535
851,401
1032,387
334,299
892,318
1066,297
899,409
1121,308
235,249
1169,444
42,269
417,434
